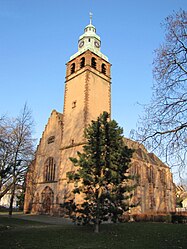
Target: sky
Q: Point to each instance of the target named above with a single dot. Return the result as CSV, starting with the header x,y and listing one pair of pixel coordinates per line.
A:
x,y
37,38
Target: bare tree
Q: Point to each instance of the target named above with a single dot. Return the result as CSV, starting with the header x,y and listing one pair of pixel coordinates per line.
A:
x,y
164,126
5,157
16,151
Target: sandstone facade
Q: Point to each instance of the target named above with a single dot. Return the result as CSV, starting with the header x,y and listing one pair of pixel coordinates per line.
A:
x,y
155,191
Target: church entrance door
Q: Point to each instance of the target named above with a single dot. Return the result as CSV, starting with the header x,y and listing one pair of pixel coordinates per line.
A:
x,y
47,205
47,199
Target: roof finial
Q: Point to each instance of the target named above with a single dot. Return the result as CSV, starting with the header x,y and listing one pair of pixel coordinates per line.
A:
x,y
91,17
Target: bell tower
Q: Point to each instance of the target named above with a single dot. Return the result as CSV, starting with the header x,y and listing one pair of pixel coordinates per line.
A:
x,y
87,92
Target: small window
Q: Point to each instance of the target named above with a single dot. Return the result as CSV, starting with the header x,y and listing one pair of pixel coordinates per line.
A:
x,y
82,62
93,62
74,104
73,68
103,68
89,40
51,139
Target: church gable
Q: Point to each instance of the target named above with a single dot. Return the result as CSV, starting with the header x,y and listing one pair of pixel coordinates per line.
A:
x,y
52,133
48,152
42,180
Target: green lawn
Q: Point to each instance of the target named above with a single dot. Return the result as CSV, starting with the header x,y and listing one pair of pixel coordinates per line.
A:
x,y
15,233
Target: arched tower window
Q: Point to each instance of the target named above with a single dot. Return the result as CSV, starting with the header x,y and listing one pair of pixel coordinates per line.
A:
x,y
103,68
49,170
82,62
93,62
72,68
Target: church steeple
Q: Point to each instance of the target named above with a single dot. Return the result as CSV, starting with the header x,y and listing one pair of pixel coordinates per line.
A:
x,y
89,41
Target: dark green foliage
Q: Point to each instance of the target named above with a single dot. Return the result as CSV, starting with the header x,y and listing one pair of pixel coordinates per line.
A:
x,y
101,175
179,218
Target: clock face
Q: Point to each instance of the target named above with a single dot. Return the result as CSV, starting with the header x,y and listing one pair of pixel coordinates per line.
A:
x,y
97,44
81,44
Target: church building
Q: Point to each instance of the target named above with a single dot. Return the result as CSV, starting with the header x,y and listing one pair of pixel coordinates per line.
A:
x,y
87,94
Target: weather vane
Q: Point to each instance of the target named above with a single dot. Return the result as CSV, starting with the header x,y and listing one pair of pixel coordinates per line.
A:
x,y
91,17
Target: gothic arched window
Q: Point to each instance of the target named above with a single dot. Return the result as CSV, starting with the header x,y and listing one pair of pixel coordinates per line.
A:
x,y
82,62
163,177
150,174
93,62
49,170
72,68
103,68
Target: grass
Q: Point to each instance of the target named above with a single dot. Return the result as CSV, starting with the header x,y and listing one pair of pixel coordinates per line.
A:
x,y
16,233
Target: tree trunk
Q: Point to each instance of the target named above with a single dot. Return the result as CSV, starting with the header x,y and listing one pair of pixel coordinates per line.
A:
x,y
96,230
12,200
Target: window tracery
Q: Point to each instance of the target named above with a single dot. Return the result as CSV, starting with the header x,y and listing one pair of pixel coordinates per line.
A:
x,y
49,170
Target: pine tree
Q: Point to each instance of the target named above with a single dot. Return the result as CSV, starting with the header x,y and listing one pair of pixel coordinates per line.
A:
x,y
102,174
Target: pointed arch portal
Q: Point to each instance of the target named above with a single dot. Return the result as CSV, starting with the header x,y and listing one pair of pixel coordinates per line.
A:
x,y
47,199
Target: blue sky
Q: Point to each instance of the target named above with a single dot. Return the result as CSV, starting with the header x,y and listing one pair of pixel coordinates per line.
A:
x,y
37,38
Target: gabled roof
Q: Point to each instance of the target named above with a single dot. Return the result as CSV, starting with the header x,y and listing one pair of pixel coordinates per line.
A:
x,y
59,118
142,154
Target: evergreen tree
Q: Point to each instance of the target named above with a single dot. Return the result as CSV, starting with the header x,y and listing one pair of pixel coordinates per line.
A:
x,y
102,174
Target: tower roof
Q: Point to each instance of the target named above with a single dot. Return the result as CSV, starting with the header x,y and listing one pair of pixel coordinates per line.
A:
x,y
89,30
89,40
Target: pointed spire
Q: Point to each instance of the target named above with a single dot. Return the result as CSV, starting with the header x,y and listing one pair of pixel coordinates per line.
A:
x,y
91,17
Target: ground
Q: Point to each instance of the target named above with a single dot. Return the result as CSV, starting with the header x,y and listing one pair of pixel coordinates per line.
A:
x,y
30,232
